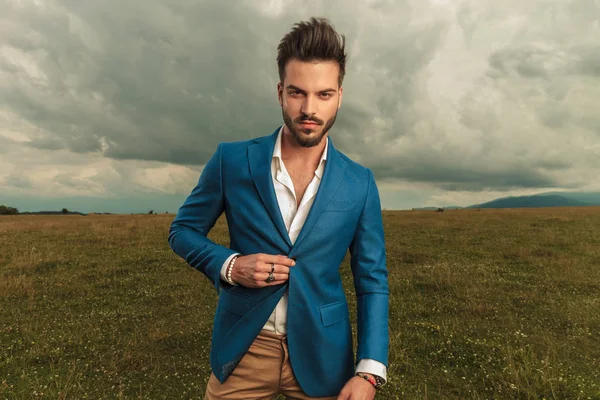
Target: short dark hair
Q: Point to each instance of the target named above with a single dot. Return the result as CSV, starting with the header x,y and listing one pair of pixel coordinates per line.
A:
x,y
314,40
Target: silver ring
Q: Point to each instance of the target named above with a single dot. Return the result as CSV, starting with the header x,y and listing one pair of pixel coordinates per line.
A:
x,y
270,278
272,267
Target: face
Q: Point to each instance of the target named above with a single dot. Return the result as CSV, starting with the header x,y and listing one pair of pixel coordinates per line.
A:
x,y
310,98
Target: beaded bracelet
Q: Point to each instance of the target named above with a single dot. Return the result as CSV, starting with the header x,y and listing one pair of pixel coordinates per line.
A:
x,y
369,379
229,270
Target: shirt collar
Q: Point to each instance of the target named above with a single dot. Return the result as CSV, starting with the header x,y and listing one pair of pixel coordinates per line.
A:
x,y
277,154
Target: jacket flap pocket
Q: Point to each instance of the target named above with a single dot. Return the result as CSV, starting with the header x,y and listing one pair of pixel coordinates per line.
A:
x,y
236,304
334,312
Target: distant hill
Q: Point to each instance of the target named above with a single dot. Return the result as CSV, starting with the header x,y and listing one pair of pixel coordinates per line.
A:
x,y
586,197
548,199
540,200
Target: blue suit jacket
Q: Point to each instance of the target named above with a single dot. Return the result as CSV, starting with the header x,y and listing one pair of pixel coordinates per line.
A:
x,y
346,215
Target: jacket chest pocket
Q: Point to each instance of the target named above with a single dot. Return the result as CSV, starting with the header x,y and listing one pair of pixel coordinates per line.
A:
x,y
340,206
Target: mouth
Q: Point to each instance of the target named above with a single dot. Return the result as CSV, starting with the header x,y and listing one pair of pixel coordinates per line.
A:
x,y
308,124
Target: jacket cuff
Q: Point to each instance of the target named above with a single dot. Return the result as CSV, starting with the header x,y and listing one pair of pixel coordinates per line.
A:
x,y
225,265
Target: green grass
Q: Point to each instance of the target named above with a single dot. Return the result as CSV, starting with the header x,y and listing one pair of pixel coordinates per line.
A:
x,y
491,304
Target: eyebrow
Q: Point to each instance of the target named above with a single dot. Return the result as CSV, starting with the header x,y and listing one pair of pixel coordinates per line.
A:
x,y
292,87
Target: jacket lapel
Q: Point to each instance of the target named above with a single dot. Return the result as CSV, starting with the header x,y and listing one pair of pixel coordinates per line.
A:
x,y
260,156
332,178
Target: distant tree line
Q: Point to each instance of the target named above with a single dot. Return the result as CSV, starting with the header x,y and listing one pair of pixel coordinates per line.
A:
x,y
6,210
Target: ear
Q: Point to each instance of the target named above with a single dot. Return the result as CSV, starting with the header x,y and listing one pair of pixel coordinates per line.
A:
x,y
280,93
340,98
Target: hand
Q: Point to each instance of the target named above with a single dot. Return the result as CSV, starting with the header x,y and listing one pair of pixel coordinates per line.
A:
x,y
252,270
357,388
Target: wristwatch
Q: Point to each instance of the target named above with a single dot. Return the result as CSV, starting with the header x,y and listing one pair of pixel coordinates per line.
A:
x,y
377,383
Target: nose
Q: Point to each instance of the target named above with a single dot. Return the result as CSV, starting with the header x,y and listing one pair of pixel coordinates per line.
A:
x,y
308,107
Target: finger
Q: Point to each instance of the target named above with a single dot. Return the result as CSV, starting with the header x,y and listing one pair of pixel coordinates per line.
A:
x,y
274,283
262,277
344,396
281,260
281,277
280,269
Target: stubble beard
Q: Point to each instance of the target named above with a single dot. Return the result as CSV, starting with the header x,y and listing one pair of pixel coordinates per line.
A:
x,y
301,135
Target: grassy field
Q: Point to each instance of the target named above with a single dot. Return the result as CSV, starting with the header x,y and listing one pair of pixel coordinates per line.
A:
x,y
491,304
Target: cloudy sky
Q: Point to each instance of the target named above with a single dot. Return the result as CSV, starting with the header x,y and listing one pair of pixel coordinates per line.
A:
x,y
116,105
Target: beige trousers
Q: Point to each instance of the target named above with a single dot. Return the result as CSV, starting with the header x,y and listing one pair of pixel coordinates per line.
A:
x,y
263,373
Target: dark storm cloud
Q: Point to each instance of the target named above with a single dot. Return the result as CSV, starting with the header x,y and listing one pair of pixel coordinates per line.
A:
x,y
143,79
465,95
451,175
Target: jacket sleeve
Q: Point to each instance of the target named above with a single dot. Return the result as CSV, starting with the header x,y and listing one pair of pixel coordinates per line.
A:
x,y
196,217
368,263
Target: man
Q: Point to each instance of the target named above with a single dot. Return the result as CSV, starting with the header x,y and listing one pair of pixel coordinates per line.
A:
x,y
294,207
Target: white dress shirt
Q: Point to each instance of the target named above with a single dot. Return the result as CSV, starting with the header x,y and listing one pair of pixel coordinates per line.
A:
x,y
294,217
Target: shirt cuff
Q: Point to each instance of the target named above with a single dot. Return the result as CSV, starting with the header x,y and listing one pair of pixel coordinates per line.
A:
x,y
225,265
373,367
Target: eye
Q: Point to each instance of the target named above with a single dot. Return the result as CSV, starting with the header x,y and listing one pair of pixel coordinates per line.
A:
x,y
294,93
326,95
